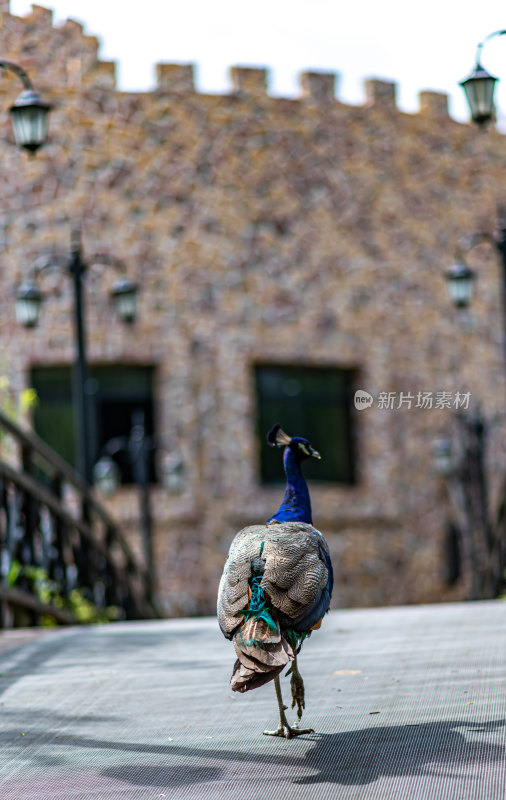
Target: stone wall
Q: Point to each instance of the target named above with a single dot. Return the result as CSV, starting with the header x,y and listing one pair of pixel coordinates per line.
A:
x,y
261,229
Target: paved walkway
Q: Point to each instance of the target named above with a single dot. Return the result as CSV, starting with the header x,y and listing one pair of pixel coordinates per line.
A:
x,y
406,703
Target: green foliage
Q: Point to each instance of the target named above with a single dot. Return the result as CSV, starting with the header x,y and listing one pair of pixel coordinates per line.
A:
x,y
17,408
86,612
49,592
13,574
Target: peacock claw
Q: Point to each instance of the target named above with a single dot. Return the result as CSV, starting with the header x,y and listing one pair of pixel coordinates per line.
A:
x,y
287,731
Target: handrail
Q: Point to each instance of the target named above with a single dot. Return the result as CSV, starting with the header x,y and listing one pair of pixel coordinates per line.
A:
x,y
36,443
19,598
71,538
63,468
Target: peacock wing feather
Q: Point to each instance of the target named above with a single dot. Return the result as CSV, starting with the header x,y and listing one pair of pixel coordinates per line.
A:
x,y
312,577
233,594
295,573
296,577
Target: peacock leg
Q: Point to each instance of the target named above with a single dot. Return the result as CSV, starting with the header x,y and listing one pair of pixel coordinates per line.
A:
x,y
297,687
284,729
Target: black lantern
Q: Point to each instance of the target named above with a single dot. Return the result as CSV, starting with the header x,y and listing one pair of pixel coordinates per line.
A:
x,y
29,112
28,303
479,89
124,295
30,117
460,281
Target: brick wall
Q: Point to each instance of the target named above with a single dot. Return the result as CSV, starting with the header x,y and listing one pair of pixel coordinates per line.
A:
x,y
261,229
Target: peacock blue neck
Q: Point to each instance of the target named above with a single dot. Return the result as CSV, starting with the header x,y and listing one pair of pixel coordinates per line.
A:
x,y
296,504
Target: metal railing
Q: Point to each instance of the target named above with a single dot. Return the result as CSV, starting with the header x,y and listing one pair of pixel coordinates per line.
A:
x,y
63,559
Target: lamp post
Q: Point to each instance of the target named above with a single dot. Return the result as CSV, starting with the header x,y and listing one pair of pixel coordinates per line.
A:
x,y
460,278
466,475
30,114
479,87
28,305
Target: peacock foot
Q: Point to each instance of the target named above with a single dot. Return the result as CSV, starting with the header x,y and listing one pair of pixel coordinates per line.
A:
x,y
287,731
284,729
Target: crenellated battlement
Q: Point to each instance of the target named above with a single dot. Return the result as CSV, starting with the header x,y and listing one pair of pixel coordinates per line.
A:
x,y
65,57
319,87
175,77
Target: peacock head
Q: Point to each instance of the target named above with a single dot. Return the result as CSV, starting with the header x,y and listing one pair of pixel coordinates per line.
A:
x,y
300,447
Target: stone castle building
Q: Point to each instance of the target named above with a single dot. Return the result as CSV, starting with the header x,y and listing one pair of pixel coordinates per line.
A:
x,y
289,252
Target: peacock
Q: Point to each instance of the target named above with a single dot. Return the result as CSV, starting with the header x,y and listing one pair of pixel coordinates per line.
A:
x,y
276,588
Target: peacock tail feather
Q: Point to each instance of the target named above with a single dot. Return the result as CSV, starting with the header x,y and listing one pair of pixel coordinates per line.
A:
x,y
258,605
296,638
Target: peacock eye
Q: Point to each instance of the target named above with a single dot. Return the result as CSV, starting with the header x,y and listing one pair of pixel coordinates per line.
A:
x,y
304,449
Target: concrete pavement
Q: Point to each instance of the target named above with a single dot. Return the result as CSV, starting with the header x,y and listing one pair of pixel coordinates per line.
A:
x,y
405,702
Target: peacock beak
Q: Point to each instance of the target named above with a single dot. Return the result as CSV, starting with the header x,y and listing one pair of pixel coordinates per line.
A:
x,y
315,454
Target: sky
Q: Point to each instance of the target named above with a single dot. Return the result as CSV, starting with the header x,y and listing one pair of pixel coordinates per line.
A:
x,y
430,45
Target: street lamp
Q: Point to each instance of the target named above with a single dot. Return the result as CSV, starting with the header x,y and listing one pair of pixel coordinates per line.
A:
x,y
30,114
28,305
466,476
479,87
460,278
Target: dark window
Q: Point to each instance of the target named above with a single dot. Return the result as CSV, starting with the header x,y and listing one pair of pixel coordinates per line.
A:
x,y
313,402
116,395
